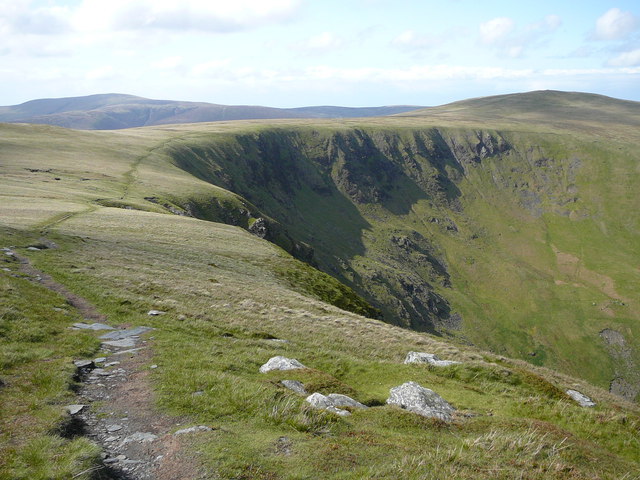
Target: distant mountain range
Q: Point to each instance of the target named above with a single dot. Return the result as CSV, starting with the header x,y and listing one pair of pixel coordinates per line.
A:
x,y
117,111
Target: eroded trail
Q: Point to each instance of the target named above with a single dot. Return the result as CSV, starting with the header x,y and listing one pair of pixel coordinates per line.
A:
x,y
86,309
115,405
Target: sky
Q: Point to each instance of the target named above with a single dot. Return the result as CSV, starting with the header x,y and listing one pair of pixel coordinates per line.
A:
x,y
288,53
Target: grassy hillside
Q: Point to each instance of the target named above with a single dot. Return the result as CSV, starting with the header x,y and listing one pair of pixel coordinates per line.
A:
x,y
506,235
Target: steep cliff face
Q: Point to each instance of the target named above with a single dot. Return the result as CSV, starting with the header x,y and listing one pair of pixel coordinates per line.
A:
x,y
462,232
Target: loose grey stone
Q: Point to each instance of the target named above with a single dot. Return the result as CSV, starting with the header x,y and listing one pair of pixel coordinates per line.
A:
x,y
121,334
73,409
420,400
131,350
198,393
153,367
100,360
430,358
93,326
6,269
84,364
198,428
111,439
111,364
281,363
294,385
34,249
108,461
140,437
155,313
114,428
124,343
581,398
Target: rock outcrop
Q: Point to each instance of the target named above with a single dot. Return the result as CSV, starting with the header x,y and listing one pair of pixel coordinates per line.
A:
x,y
581,398
430,358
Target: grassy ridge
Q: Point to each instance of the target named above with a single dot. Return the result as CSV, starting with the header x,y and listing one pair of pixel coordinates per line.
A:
x,y
526,241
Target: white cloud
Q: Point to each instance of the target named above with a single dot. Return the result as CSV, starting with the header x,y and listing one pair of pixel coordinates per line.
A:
x,y
511,41
627,59
204,15
323,41
168,63
18,17
552,22
496,30
615,24
211,68
409,39
100,73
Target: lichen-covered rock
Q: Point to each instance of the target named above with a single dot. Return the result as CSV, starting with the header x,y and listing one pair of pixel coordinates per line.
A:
x,y
341,401
321,402
294,385
281,363
334,402
581,398
418,399
430,358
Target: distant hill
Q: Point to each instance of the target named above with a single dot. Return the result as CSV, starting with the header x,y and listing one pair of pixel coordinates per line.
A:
x,y
116,111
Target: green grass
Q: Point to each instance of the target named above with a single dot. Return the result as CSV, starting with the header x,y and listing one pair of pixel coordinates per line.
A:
x,y
226,334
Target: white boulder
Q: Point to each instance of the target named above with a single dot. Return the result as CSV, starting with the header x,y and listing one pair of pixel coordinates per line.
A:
x,y
418,399
281,363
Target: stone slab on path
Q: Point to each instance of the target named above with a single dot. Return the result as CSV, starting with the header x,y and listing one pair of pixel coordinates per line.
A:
x,y
121,334
92,326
